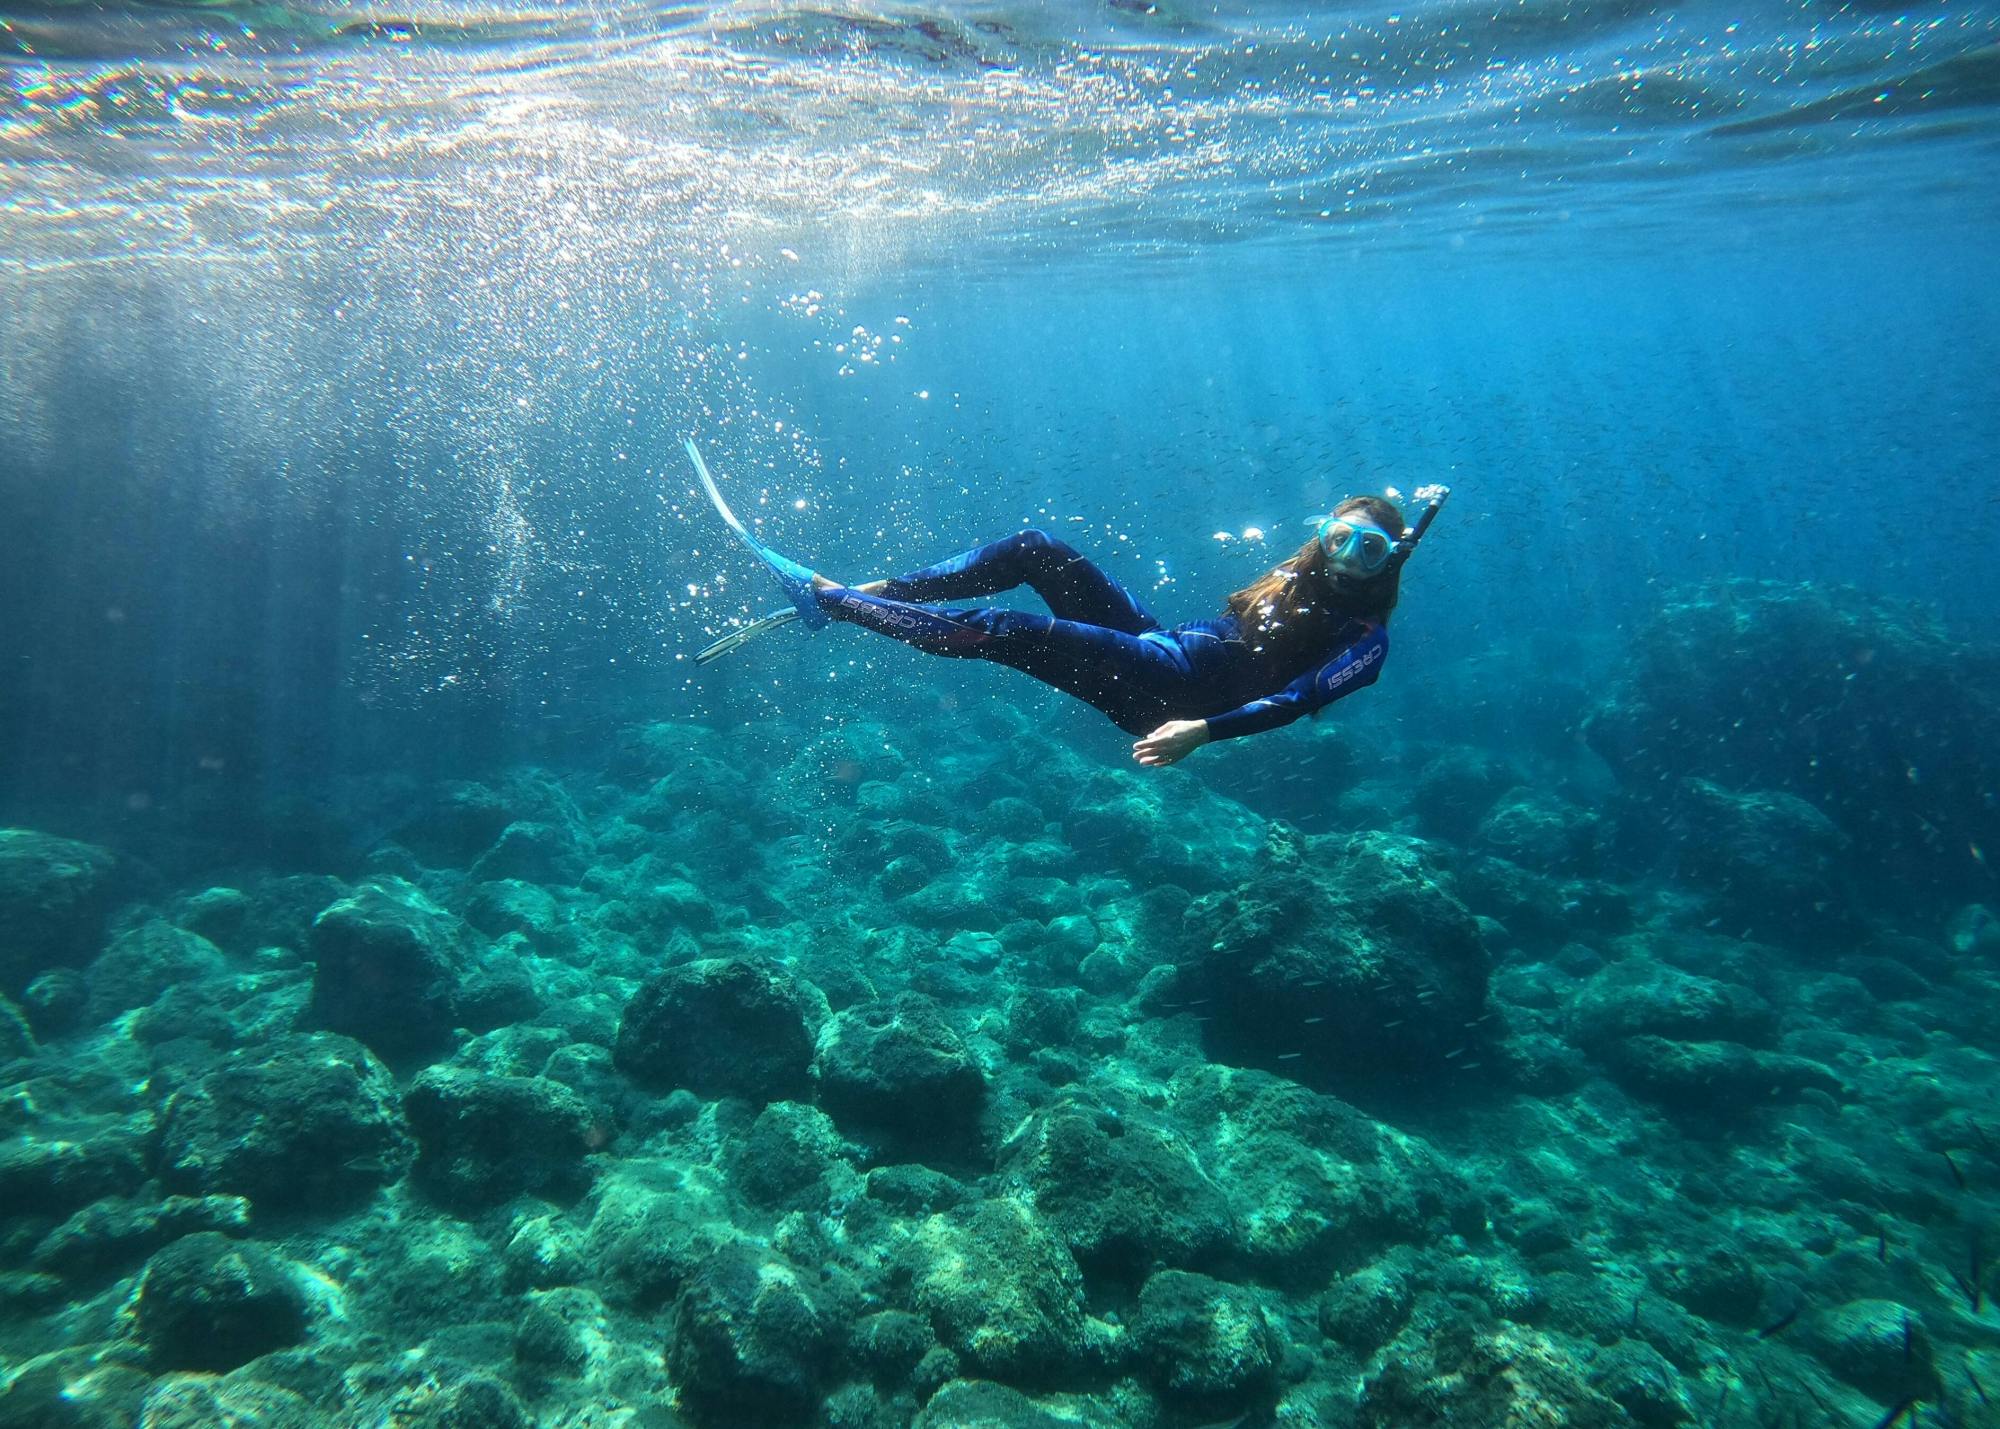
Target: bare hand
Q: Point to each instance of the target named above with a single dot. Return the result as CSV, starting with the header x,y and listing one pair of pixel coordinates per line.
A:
x,y
1170,743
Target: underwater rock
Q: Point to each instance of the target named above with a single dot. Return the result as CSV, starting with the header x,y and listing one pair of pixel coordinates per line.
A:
x,y
534,853
750,1339
1313,1183
483,1139
455,824
897,1069
207,1302
1001,1292
387,967
1471,1378
784,1160
74,1389
1639,996
556,1331
511,906
1768,861
200,1401
1538,830
982,1404
913,1190
1205,1343
1364,1310
1457,787
145,962
310,1123
1880,1347
1121,1187
109,1233
723,1027
1341,962
54,894
221,915
1641,1381
890,1344
54,1002
1713,1077
51,1170
645,1238
1858,704
1974,932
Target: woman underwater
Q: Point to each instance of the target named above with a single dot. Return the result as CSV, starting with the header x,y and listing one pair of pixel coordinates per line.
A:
x,y
1313,629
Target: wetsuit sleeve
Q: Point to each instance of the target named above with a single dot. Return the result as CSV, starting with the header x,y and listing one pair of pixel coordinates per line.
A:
x,y
1355,666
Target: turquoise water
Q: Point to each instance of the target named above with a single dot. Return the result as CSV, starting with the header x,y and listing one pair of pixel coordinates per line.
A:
x,y
428,997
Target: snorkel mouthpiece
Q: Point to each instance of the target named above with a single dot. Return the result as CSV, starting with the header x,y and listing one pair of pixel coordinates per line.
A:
x,y
1433,498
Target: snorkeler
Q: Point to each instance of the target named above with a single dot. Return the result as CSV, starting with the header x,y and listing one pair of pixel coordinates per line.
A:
x,y
1310,631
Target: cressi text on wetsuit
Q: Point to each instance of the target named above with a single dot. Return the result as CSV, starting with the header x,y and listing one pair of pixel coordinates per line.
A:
x,y
1100,645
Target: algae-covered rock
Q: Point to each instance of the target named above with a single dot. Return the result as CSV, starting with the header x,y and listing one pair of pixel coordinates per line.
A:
x,y
897,1068
310,1123
1363,1310
201,1401
1716,1077
1205,1343
1341,961
210,1303
1467,1378
751,1339
982,1404
1639,996
723,1027
1121,1187
74,1389
1540,830
54,894
1858,704
388,963
109,1233
1767,860
1314,1184
1001,1291
784,1160
483,1139
145,962
1878,1346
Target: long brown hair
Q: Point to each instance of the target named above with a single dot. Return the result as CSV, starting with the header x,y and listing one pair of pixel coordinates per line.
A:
x,y
1289,612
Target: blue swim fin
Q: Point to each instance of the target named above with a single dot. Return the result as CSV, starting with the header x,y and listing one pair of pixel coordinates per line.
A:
x,y
795,578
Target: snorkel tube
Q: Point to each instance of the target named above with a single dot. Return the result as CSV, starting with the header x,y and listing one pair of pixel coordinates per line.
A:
x,y
1434,497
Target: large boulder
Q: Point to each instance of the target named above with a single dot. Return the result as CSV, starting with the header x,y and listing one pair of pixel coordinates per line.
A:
x,y
1002,1292
1768,861
740,1027
1121,1186
751,1339
1462,1376
1206,1343
1638,996
1343,962
1858,704
897,1070
388,968
309,1123
145,962
483,1139
54,894
210,1303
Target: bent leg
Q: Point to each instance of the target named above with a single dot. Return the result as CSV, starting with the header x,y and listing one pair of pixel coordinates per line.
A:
x,y
1133,680
1069,584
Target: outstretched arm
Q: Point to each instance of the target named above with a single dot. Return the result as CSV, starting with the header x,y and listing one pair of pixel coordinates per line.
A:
x,y
1354,667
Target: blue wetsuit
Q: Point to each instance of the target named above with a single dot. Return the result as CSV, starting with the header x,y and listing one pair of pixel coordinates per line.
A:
x,y
1101,645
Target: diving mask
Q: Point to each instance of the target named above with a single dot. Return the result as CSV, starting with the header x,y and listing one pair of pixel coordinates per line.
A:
x,y
1354,546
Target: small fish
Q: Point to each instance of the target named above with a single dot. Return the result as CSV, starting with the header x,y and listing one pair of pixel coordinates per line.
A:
x,y
1289,1056
1397,1023
1977,1388
1314,1021
1453,1056
1977,1267
1783,1322
1882,1247
1956,1174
